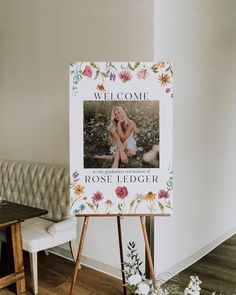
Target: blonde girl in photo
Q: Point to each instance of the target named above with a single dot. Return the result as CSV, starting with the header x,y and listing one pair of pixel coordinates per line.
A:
x,y
122,132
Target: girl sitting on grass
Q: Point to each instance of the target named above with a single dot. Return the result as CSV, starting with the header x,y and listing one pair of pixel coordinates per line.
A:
x,y
122,132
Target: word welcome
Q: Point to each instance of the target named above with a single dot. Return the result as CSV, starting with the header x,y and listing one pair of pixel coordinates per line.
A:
x,y
121,96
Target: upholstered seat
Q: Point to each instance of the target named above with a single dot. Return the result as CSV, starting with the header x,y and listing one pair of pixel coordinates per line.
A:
x,y
44,186
38,233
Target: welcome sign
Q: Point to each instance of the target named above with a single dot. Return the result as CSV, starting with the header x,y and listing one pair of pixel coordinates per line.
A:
x,y
121,138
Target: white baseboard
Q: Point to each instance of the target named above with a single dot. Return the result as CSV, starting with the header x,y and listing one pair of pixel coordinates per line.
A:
x,y
183,264
64,252
102,267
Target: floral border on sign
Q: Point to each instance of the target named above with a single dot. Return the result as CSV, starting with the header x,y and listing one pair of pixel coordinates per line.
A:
x,y
127,72
154,201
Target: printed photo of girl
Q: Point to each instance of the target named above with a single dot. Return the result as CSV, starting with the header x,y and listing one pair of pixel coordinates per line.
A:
x,y
113,139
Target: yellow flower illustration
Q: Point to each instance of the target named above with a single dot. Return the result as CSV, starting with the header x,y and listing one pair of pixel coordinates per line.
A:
x,y
160,65
150,196
90,206
78,189
109,202
164,79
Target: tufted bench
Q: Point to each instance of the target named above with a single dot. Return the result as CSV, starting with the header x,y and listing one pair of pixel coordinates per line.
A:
x,y
44,186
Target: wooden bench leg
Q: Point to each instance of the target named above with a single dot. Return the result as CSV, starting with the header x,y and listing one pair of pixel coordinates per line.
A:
x,y
18,256
34,271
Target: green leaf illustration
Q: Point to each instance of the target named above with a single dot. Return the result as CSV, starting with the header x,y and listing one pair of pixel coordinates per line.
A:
x,y
162,208
132,204
97,73
134,67
90,206
94,65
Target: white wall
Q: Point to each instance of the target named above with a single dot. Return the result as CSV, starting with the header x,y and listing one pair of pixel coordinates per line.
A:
x,y
38,40
199,37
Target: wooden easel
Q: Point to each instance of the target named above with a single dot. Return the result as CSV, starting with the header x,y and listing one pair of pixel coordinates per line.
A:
x,y
147,247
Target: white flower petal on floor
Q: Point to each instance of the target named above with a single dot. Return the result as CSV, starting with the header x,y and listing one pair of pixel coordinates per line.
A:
x,y
143,289
193,286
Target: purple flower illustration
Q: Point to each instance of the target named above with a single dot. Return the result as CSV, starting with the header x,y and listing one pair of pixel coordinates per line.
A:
x,y
163,194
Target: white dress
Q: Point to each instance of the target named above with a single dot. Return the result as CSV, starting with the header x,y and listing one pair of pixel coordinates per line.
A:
x,y
131,145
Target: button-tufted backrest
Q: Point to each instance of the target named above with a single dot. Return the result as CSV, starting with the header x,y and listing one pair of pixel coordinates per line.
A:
x,y
44,186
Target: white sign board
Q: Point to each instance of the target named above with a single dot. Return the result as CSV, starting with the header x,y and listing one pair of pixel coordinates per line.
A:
x,y
121,138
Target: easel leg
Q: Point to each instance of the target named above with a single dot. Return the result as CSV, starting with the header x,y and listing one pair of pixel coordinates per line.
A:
x,y
149,224
121,253
148,251
77,264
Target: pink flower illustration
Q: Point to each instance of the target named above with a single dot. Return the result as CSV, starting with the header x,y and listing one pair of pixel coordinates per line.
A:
x,y
125,76
168,90
87,71
121,192
98,196
142,74
163,194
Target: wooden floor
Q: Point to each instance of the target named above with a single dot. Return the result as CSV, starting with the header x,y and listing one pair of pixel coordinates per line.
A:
x,y
55,278
217,271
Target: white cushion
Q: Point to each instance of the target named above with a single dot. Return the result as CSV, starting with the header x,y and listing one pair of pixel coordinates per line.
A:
x,y
62,226
35,235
